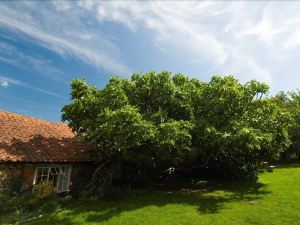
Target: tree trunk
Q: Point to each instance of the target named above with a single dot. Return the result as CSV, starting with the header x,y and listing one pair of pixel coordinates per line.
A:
x,y
103,177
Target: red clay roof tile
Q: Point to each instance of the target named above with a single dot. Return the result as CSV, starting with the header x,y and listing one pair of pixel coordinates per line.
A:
x,y
26,139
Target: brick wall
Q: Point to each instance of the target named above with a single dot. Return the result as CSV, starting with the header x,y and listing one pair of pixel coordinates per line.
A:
x,y
80,175
11,180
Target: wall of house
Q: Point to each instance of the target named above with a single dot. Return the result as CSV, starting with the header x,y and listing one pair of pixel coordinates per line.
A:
x,y
21,171
10,179
81,173
10,169
28,173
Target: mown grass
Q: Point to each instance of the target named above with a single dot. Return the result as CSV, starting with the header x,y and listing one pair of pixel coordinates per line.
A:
x,y
275,199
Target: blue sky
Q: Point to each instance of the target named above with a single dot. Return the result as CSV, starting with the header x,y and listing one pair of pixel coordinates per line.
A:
x,y
44,45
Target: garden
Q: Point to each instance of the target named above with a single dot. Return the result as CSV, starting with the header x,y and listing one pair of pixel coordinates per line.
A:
x,y
274,199
176,150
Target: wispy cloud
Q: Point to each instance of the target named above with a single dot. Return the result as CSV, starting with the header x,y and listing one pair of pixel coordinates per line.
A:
x,y
62,33
258,40
251,40
176,27
9,81
3,83
191,32
11,55
32,104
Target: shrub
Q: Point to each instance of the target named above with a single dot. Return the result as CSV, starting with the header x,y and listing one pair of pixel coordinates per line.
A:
x,y
9,187
42,191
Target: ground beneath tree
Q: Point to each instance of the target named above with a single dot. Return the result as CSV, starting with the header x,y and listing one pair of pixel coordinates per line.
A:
x,y
275,199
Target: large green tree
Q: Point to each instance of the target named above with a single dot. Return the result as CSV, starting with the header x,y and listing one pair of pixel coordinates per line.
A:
x,y
157,121
237,127
290,103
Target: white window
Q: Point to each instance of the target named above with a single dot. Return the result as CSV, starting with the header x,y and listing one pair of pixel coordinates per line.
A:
x,y
57,176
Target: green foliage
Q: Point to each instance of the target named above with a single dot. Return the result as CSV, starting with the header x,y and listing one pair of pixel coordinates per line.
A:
x,y
10,186
27,206
290,104
158,121
236,128
42,192
294,108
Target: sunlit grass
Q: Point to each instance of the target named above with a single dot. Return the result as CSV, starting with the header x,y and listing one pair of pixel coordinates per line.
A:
x,y
274,200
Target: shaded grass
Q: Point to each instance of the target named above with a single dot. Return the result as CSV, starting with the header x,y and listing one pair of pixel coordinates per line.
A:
x,y
275,199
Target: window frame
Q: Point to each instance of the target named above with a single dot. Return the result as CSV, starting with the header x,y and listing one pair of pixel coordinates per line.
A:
x,y
67,169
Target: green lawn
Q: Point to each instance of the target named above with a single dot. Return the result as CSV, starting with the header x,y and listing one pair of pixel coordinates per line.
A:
x,y
274,200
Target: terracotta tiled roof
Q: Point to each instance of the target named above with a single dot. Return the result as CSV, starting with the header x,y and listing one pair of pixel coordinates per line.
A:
x,y
26,139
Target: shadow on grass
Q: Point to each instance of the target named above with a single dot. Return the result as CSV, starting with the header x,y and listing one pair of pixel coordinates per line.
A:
x,y
292,164
210,198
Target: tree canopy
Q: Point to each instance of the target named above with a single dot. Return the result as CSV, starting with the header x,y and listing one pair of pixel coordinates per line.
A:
x,y
290,103
159,120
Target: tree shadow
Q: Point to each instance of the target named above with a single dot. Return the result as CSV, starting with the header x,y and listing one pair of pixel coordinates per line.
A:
x,y
291,164
210,198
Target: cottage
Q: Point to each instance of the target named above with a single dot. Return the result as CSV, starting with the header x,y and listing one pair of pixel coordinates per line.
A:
x,y
38,150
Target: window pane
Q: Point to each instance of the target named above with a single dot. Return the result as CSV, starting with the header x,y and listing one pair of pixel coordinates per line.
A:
x,y
64,179
40,178
58,177
39,171
45,171
62,170
53,180
54,171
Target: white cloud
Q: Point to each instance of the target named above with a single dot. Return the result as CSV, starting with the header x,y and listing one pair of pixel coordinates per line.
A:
x,y
60,32
175,27
250,40
11,55
61,5
3,83
6,80
258,40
